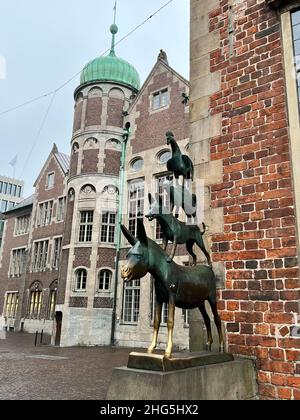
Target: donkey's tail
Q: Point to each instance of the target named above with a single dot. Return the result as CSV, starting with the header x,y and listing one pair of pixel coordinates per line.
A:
x,y
204,228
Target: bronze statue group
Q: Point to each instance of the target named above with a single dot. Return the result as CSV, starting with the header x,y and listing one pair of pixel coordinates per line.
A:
x,y
177,285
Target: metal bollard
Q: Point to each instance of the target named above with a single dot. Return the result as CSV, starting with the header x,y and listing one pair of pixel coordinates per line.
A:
x,y
36,338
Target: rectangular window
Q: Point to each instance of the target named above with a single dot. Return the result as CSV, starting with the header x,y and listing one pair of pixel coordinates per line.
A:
x,y
56,252
108,227
3,206
50,181
61,209
159,188
19,191
18,262
14,190
11,305
86,226
45,213
22,225
160,99
131,305
136,200
40,255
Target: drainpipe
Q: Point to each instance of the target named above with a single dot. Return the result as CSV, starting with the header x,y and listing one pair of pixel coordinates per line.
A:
x,y
126,135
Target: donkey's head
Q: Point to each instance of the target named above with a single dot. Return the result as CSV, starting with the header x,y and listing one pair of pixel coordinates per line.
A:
x,y
156,207
170,137
138,257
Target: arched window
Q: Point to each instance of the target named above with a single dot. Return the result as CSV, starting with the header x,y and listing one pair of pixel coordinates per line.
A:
x,y
137,164
104,280
80,280
35,300
52,299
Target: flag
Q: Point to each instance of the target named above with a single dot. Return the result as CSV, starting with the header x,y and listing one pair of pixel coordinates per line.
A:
x,y
13,162
115,7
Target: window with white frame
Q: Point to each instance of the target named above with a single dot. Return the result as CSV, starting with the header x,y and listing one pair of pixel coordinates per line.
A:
x,y
11,304
40,255
108,227
18,262
86,226
45,213
136,202
104,280
160,99
159,188
61,207
22,225
131,304
50,181
80,280
56,252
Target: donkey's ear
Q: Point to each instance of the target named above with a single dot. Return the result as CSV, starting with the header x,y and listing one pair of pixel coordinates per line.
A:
x,y
130,238
150,198
141,232
160,201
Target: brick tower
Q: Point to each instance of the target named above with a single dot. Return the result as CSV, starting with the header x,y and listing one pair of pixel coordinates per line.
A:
x,y
107,87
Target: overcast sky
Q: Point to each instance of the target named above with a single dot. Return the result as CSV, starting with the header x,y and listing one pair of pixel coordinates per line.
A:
x,y
44,44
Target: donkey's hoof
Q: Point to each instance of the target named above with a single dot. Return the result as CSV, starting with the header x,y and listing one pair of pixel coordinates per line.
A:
x,y
222,349
150,350
208,347
168,354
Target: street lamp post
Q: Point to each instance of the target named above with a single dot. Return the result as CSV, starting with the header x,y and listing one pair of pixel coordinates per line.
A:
x,y
126,135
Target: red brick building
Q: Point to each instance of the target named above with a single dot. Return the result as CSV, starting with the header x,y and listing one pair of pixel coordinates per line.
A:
x,y
244,83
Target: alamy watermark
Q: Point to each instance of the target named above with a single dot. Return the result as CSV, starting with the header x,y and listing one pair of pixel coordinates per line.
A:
x,y
2,68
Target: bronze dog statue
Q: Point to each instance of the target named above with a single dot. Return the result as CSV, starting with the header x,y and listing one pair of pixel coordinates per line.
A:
x,y
180,286
175,231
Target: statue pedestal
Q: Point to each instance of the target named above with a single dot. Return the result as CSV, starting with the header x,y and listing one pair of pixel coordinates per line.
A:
x,y
192,376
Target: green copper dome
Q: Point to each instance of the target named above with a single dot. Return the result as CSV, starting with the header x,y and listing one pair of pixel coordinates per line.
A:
x,y
111,68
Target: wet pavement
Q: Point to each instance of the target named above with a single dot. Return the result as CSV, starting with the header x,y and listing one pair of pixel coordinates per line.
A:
x,y
50,373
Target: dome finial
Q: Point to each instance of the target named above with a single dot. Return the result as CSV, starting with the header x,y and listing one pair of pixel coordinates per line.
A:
x,y
114,30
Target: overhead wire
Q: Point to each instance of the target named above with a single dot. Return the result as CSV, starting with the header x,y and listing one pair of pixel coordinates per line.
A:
x,y
60,87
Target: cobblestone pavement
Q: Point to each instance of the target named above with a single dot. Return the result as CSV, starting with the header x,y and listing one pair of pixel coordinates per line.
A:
x,y
51,373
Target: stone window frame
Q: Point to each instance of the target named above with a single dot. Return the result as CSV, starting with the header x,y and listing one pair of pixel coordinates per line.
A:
x,y
104,291
75,288
63,208
22,225
106,227
22,261
159,92
292,103
54,250
45,255
50,175
134,290
7,307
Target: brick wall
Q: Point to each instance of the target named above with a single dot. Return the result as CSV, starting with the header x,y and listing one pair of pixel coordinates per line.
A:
x,y
90,161
82,257
78,116
260,302
115,112
74,164
93,111
151,127
112,162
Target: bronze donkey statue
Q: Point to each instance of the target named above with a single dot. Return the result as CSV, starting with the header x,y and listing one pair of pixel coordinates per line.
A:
x,y
175,231
180,286
179,164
